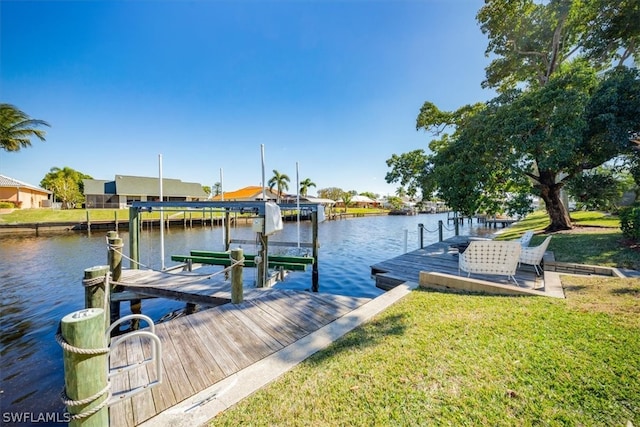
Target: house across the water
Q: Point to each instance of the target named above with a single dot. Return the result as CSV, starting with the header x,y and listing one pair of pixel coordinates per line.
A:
x,y
123,190
23,195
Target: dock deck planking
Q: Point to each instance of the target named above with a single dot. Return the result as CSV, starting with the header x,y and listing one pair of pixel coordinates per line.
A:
x,y
250,324
442,258
203,348
220,352
123,409
139,377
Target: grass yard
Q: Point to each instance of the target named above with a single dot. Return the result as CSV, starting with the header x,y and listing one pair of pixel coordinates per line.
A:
x,y
596,239
470,360
447,359
80,215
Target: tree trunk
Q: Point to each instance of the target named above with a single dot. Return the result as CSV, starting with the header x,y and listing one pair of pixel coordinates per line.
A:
x,y
557,211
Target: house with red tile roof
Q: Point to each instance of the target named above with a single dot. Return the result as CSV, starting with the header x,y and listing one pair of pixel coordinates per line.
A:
x,y
247,194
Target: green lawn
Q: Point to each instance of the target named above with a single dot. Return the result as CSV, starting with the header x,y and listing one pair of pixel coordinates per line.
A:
x,y
471,360
80,215
602,243
462,360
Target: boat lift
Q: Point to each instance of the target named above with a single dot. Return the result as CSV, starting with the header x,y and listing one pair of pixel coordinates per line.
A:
x,y
259,208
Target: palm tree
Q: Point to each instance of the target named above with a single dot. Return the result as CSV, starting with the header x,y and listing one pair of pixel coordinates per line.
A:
x,y
346,199
304,186
16,128
280,181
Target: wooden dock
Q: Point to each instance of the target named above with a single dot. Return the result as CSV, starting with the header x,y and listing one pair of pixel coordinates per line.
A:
x,y
206,347
441,257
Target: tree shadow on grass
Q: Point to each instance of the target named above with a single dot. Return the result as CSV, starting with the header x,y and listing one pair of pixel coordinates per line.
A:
x,y
367,335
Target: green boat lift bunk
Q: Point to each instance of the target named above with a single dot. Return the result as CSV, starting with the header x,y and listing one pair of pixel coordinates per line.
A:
x,y
258,208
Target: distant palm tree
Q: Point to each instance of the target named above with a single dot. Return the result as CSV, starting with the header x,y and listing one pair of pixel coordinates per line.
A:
x,y
346,199
280,181
16,128
304,186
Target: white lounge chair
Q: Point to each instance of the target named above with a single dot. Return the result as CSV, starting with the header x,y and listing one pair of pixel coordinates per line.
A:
x,y
533,255
491,257
525,239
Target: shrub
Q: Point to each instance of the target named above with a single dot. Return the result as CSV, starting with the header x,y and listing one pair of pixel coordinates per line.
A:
x,y
4,204
630,222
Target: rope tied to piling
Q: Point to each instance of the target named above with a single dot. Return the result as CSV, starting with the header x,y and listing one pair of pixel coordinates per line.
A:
x,y
87,283
448,229
429,231
68,402
77,350
114,245
196,277
64,397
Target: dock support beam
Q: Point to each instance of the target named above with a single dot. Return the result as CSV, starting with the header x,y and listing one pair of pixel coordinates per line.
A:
x,y
227,229
314,234
263,266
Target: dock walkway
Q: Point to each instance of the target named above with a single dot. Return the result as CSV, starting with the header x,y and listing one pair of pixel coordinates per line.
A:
x,y
207,347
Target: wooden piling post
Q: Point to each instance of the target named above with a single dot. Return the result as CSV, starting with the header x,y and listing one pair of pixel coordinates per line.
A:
x,y
440,230
115,266
95,294
115,220
315,278
263,267
236,277
88,222
85,367
134,237
227,230
421,235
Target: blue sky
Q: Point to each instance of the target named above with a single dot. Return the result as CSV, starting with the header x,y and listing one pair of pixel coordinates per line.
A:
x,y
335,86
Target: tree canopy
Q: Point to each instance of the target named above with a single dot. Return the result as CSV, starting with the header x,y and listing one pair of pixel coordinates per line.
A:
x,y
66,185
17,128
557,113
333,193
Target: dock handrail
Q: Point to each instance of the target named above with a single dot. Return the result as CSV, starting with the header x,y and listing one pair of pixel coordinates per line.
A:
x,y
156,356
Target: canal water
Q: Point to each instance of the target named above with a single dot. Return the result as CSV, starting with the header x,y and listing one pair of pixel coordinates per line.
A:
x,y
40,282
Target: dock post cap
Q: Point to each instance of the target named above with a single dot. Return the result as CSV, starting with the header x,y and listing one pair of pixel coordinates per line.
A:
x,y
81,315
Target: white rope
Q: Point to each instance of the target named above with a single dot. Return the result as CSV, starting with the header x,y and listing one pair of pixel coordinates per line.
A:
x,y
72,349
177,274
93,410
68,402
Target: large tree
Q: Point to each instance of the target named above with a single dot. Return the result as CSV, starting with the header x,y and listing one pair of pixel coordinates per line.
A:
x,y
555,115
17,128
66,185
279,181
333,193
